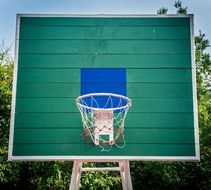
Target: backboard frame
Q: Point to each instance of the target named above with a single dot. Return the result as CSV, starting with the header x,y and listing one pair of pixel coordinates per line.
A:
x,y
106,158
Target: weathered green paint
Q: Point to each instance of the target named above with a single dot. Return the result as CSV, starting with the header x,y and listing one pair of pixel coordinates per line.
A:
x,y
88,149
68,90
105,32
157,55
33,136
133,75
104,61
65,120
67,105
86,21
104,46
49,75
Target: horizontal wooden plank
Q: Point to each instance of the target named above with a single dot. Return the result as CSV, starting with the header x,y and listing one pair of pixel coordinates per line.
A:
x,y
159,75
97,21
48,120
144,150
157,105
48,90
160,136
133,120
91,150
104,61
104,46
159,120
49,75
139,105
161,90
68,136
149,90
46,105
133,75
42,136
104,32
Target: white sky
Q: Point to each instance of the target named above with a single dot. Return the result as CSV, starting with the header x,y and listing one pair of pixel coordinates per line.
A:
x,y
9,8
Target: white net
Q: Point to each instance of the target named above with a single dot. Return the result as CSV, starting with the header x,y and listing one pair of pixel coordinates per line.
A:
x,y
103,116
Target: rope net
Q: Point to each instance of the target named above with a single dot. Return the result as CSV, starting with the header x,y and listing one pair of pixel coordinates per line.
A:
x,y
103,116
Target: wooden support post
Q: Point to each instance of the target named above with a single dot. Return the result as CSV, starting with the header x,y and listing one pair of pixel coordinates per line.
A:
x,y
128,180
125,175
124,169
76,175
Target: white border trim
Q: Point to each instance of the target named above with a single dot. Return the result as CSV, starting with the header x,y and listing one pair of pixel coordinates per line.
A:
x,y
15,76
105,158
109,15
194,89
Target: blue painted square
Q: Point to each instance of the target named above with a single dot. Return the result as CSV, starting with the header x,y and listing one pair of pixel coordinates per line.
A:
x,y
108,80
103,80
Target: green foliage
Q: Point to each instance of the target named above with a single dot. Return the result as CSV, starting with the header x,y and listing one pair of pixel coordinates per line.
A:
x,y
162,11
203,66
203,70
6,68
180,8
100,180
9,171
48,175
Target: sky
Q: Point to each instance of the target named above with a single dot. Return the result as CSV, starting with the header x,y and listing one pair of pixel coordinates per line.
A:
x,y
9,8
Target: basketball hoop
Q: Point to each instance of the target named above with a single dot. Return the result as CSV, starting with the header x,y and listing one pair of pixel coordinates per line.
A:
x,y
103,116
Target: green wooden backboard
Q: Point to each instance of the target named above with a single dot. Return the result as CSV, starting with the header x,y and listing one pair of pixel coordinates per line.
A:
x,y
158,55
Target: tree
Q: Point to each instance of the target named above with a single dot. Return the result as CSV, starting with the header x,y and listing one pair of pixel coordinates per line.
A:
x,y
162,10
203,71
180,8
9,171
203,66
